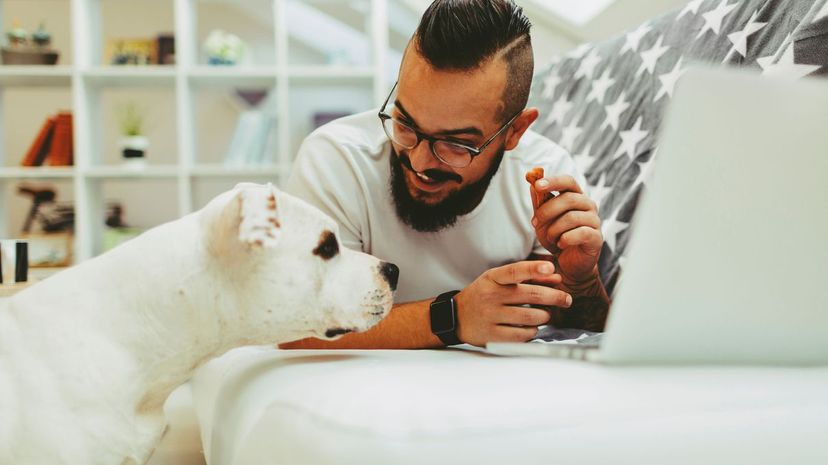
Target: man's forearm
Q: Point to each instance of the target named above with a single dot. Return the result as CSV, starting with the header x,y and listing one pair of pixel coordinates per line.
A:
x,y
407,326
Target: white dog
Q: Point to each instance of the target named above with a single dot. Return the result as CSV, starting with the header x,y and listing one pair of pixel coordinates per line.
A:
x,y
88,357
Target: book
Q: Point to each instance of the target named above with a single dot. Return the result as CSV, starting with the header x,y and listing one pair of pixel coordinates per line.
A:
x,y
250,139
39,149
61,152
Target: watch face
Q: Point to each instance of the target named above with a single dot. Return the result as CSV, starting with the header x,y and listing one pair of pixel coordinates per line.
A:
x,y
442,316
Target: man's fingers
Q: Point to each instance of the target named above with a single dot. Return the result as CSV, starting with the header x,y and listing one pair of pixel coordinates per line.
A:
x,y
524,316
568,222
503,333
561,204
583,236
539,295
516,273
561,184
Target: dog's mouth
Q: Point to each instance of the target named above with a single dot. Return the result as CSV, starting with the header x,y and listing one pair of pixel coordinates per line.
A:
x,y
334,332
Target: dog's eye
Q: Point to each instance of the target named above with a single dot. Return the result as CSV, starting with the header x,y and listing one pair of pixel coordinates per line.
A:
x,y
328,246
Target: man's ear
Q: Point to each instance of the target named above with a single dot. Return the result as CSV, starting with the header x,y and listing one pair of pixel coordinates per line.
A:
x,y
249,219
519,127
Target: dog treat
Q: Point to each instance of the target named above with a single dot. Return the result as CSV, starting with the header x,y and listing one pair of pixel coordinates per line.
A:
x,y
533,176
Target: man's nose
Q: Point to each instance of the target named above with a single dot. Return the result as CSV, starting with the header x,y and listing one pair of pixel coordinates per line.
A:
x,y
422,158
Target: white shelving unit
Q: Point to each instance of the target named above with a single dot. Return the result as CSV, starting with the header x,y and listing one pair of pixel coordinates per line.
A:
x,y
88,78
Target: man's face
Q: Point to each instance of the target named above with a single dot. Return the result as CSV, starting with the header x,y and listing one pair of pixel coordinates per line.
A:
x,y
465,107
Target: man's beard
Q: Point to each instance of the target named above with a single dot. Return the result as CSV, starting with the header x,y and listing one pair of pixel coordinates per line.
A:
x,y
444,214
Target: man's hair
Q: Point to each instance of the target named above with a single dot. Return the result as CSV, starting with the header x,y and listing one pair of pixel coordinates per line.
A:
x,y
464,35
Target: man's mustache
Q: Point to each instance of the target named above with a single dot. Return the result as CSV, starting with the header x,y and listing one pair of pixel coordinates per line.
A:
x,y
436,175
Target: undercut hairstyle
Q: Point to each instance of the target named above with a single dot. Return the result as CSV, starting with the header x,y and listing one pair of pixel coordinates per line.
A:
x,y
465,35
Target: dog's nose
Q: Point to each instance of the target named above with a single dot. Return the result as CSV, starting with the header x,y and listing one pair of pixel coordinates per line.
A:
x,y
391,273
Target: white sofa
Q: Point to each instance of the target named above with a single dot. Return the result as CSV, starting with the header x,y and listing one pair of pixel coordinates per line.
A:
x,y
260,405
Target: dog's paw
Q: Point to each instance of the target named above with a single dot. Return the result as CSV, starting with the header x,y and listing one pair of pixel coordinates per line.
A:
x,y
260,225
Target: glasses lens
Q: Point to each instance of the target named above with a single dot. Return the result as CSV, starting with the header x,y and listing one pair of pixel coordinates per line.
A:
x,y
400,133
452,154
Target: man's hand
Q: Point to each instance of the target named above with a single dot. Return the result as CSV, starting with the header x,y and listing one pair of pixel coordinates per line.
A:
x,y
569,227
488,309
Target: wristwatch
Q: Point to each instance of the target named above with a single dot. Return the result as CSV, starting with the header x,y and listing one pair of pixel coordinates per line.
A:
x,y
444,318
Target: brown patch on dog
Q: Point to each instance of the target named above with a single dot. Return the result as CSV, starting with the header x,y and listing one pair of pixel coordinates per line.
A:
x,y
271,202
328,246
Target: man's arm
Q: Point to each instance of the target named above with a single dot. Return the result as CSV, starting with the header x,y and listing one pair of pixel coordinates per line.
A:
x,y
488,310
407,326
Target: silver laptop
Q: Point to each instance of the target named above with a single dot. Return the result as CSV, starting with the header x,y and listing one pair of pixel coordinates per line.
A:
x,y
728,261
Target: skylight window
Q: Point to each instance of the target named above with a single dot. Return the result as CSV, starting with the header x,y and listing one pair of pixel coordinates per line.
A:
x,y
577,12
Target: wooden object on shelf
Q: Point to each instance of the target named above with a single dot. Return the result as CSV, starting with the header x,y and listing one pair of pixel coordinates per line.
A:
x,y
29,56
54,143
39,149
62,150
50,250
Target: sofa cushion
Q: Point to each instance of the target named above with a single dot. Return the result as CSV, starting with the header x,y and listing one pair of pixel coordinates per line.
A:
x,y
604,102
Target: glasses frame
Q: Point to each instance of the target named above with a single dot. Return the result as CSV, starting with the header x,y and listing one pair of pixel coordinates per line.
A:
x,y
473,151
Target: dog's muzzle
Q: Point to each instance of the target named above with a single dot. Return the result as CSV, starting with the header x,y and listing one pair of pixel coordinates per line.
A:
x,y
391,273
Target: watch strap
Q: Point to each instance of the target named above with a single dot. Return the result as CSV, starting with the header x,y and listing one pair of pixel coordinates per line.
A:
x,y
448,338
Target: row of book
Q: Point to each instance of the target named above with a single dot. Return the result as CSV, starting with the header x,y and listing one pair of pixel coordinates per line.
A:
x,y
253,139
54,144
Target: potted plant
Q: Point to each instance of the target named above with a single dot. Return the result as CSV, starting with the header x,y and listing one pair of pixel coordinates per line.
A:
x,y
223,48
22,50
134,143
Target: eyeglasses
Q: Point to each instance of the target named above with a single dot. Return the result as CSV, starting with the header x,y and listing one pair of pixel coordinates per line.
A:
x,y
454,154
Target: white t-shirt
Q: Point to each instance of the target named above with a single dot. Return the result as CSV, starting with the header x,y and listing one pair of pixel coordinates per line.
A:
x,y
343,169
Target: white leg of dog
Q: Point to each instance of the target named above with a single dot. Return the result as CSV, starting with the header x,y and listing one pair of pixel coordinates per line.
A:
x,y
88,357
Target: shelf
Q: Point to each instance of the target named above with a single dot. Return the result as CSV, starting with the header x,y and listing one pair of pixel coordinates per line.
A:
x,y
219,171
125,172
130,76
191,108
39,172
232,76
35,76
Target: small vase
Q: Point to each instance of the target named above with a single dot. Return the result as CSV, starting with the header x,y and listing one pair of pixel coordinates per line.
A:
x,y
133,149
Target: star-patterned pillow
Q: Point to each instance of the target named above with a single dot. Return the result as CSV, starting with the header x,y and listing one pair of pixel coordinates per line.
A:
x,y
604,102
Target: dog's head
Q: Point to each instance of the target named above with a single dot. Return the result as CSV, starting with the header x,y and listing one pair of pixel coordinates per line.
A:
x,y
295,278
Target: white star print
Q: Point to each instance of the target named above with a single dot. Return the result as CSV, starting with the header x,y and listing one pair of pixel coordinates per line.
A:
x,y
599,192
692,7
550,84
559,111
739,39
610,229
669,80
630,139
584,159
600,87
615,110
786,67
570,133
713,19
580,51
633,38
651,56
588,64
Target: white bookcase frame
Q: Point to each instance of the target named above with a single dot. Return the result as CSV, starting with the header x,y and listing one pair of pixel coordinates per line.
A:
x,y
86,77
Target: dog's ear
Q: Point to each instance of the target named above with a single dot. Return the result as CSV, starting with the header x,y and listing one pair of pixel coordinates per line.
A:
x,y
250,218
260,226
